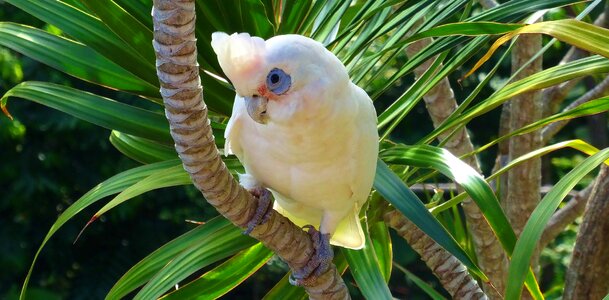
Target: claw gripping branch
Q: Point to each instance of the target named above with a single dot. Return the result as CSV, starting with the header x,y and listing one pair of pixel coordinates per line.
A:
x,y
178,72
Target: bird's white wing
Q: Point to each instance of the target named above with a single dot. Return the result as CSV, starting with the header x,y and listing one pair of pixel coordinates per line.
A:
x,y
349,232
232,145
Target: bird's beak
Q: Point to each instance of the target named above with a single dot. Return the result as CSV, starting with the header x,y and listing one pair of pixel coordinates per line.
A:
x,y
256,108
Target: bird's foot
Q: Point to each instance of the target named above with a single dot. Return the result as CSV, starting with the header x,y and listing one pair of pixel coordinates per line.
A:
x,y
262,211
319,262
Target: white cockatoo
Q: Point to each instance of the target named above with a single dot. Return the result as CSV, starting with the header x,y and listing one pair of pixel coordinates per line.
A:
x,y
301,129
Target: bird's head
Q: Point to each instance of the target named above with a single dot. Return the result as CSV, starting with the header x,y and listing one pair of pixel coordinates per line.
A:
x,y
283,78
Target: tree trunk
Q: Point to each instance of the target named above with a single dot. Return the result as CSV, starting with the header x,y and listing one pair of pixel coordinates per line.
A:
x,y
178,72
524,180
440,103
588,273
450,271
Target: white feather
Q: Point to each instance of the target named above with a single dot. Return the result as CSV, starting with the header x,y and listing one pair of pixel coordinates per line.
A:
x,y
317,154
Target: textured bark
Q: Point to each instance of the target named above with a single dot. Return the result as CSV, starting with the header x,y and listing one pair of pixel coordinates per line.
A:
x,y
450,271
600,90
440,103
178,72
588,273
524,180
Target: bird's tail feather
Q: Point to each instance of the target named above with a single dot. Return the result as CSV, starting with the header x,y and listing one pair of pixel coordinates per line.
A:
x,y
349,233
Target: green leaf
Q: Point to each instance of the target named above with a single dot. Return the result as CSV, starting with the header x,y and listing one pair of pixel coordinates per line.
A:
x,y
546,78
589,108
577,33
92,108
284,290
293,16
381,242
112,185
538,220
171,176
91,32
224,277
473,183
366,271
391,187
236,16
72,58
140,149
421,284
139,9
218,243
575,144
129,29
465,28
208,243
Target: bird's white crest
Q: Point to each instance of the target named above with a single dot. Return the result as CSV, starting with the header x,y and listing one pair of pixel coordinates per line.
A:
x,y
239,54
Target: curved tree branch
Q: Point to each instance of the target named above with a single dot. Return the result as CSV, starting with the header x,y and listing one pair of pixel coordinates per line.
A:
x,y
178,72
450,271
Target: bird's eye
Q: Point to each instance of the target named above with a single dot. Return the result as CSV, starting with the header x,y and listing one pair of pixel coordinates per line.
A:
x,y
278,82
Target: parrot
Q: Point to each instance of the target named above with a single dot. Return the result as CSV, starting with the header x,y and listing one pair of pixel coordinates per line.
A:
x,y
302,130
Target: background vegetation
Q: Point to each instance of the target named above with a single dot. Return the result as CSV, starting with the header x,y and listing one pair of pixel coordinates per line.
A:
x,y
50,159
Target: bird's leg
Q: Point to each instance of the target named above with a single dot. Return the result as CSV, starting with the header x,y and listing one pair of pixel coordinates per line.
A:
x,y
261,215
319,262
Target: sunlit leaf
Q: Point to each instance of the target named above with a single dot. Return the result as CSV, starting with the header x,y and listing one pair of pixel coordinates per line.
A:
x,y
391,187
529,238
71,57
224,277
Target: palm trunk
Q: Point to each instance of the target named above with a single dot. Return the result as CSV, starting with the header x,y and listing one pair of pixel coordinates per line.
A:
x,y
450,271
178,72
588,273
440,103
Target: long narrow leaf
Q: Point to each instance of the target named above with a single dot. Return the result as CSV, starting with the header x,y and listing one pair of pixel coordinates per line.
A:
x,y
365,268
217,236
214,246
575,144
91,32
381,242
140,149
128,28
538,220
475,186
549,77
391,187
72,58
172,176
577,33
95,109
112,185
224,277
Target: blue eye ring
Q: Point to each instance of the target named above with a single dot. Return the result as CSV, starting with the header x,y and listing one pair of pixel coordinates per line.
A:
x,y
278,81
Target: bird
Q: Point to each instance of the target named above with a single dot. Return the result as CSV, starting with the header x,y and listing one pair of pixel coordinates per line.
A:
x,y
303,130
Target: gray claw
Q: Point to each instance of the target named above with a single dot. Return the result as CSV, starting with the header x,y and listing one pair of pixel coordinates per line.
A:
x,y
262,211
319,262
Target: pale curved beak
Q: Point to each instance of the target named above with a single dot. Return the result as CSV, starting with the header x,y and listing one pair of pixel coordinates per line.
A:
x,y
256,108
